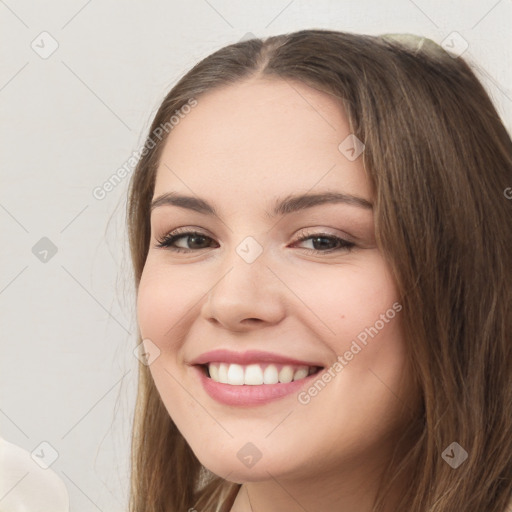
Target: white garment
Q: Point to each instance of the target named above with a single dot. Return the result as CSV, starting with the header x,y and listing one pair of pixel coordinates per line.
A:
x,y
25,486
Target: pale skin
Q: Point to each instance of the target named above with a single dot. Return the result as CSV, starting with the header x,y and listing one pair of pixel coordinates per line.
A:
x,y
241,149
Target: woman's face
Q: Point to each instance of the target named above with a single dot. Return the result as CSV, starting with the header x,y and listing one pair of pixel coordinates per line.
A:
x,y
281,276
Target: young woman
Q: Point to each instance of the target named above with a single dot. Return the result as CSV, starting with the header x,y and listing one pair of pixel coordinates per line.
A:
x,y
321,236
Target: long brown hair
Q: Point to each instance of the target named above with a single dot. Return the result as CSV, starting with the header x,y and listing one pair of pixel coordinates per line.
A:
x,y
439,160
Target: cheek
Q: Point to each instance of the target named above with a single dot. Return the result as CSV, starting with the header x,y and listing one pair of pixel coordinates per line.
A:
x,y
350,299
163,301
360,305
370,337
368,292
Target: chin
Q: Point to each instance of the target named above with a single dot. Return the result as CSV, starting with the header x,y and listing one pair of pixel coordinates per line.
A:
x,y
230,465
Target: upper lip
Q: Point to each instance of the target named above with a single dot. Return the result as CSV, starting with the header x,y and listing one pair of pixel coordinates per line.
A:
x,y
248,357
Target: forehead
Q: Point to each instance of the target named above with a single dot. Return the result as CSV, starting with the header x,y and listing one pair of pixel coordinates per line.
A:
x,y
262,135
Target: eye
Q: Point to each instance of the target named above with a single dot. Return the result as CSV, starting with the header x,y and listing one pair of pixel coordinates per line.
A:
x,y
189,240
325,243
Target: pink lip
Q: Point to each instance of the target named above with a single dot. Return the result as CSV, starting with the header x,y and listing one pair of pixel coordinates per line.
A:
x,y
249,357
247,396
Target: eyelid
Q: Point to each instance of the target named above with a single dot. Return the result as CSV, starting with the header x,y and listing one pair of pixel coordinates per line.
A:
x,y
347,244
181,232
311,232
185,230
302,232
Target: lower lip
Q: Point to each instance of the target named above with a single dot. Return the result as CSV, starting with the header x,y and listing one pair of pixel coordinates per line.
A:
x,y
249,395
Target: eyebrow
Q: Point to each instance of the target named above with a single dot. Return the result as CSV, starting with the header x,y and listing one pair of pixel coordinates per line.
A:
x,y
289,204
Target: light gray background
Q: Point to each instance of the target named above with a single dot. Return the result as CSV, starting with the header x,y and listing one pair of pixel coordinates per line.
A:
x,y
67,371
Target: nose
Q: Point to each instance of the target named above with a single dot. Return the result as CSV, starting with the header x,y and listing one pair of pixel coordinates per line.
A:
x,y
248,296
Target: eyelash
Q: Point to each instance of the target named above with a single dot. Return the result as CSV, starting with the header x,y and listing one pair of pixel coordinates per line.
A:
x,y
166,242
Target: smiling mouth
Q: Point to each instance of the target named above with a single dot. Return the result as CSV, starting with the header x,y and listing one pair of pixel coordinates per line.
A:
x,y
257,374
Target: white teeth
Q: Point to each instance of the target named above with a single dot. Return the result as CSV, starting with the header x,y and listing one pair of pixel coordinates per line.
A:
x,y
301,373
214,372
223,373
270,375
286,374
253,375
256,374
235,375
